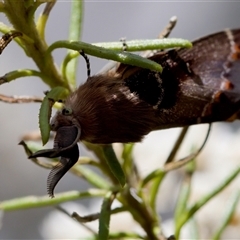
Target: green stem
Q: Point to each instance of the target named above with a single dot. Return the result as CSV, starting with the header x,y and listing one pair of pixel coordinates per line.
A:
x,y
23,22
21,73
230,209
154,189
190,212
141,213
34,201
93,178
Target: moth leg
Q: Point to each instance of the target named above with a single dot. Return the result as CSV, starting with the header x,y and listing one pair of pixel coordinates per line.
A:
x,y
48,153
67,160
66,138
65,146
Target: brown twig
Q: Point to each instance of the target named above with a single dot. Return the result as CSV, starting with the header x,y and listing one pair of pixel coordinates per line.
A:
x,y
7,38
19,99
174,165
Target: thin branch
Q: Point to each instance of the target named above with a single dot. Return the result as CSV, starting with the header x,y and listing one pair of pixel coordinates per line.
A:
x,y
7,38
19,99
36,201
168,29
177,145
48,7
174,165
88,218
75,218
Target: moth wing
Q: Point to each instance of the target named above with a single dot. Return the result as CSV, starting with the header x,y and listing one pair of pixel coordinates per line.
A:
x,y
215,58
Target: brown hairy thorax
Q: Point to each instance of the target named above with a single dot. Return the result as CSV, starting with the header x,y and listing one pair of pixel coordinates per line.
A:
x,y
103,107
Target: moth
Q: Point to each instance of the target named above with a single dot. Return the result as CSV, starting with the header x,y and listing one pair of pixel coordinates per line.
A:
x,y
197,85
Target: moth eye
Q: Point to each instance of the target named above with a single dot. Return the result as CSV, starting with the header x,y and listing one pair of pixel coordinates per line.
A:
x,y
67,111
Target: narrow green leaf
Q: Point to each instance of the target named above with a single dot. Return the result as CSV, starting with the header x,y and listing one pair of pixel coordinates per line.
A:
x,y
156,183
118,56
57,93
127,151
217,190
194,229
97,150
193,209
92,177
147,44
44,117
104,50
127,157
104,218
20,73
230,209
114,164
181,205
35,201
75,30
154,174
42,20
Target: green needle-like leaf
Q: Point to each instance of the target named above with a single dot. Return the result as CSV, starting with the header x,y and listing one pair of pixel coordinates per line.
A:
x,y
35,201
188,213
118,56
21,73
104,218
75,30
56,94
114,164
230,209
148,44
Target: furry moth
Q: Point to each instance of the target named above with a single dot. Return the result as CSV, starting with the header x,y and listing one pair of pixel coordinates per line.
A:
x,y
197,85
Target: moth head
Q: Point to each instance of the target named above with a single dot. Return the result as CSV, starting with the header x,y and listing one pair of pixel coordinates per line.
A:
x,y
63,117
67,128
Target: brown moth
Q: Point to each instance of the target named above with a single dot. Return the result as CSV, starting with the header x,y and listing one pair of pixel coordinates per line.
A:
x,y
197,85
